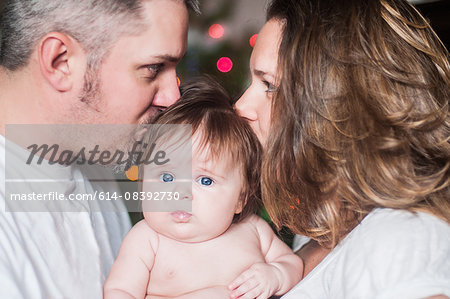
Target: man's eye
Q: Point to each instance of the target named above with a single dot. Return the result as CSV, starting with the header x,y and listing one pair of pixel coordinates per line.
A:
x,y
205,181
270,87
153,70
167,177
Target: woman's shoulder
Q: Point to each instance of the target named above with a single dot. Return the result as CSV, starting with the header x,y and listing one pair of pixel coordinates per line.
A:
x,y
402,216
394,236
393,224
401,230
390,254
396,251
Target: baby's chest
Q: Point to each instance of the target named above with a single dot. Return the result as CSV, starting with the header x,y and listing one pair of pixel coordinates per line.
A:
x,y
182,268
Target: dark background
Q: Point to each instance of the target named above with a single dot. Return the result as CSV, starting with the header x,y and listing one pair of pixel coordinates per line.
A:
x,y
202,57
438,13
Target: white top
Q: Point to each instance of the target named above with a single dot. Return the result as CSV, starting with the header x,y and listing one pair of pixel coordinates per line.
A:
x,y
390,254
56,254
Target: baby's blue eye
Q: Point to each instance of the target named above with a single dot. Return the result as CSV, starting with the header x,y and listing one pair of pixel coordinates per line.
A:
x,y
167,177
205,181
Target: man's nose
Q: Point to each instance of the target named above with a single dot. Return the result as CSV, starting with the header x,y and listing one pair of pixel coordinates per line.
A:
x,y
168,92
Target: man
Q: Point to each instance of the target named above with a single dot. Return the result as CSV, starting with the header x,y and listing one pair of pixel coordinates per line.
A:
x,y
79,62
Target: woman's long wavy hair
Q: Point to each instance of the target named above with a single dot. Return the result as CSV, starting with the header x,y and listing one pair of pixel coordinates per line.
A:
x,y
361,116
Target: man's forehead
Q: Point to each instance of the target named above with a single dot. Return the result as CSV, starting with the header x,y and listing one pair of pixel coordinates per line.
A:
x,y
161,38
166,23
162,8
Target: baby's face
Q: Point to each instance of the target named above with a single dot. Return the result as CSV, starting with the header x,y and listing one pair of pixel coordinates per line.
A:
x,y
213,185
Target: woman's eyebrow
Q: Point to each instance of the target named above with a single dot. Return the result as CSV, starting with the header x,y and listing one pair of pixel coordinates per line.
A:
x,y
261,73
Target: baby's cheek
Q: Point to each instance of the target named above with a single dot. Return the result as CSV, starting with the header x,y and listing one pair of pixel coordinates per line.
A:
x,y
155,220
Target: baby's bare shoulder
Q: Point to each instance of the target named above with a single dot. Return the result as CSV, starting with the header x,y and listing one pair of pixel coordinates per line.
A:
x,y
252,224
144,232
143,227
252,220
258,223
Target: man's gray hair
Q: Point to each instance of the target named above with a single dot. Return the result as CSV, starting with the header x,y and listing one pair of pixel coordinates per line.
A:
x,y
95,24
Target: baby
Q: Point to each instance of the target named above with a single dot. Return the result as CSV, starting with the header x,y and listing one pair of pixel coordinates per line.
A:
x,y
219,248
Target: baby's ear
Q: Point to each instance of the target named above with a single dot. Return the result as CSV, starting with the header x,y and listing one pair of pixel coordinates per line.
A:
x,y
240,204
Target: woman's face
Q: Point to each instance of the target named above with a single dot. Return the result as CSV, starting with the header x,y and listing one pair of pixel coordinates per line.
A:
x,y
255,103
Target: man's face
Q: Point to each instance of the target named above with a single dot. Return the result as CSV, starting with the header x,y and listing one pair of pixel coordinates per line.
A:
x,y
138,76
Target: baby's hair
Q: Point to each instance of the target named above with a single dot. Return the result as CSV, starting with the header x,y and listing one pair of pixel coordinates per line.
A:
x,y
206,106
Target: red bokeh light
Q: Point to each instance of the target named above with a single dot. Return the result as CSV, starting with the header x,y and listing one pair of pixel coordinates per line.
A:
x,y
216,31
224,64
253,40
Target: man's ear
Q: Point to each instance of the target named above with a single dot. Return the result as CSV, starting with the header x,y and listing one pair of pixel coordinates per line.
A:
x,y
56,52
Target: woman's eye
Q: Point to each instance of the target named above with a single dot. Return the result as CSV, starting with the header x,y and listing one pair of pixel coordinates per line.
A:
x,y
270,87
167,177
205,181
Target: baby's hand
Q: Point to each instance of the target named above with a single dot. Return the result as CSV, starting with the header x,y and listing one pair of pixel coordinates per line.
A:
x,y
260,281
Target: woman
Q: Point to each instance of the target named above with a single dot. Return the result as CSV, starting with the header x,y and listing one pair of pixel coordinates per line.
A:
x,y
354,117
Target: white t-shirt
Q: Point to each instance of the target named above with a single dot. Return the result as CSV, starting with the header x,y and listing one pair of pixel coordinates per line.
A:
x,y
390,254
56,254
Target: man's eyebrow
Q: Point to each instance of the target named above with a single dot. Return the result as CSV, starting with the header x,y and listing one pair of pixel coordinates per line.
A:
x,y
169,58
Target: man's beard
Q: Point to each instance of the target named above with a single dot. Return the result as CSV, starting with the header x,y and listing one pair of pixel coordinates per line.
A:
x,y
113,137
91,98
91,95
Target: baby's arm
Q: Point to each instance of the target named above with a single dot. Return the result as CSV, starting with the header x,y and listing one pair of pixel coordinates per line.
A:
x,y
282,270
130,273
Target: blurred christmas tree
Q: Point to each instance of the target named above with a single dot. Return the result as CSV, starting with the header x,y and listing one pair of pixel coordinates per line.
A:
x,y
210,39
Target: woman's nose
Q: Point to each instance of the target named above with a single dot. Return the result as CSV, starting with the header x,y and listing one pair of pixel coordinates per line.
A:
x,y
245,108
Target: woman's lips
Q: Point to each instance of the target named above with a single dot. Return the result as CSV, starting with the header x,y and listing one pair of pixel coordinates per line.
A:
x,y
181,216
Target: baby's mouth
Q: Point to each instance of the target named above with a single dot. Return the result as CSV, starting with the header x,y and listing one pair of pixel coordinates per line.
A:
x,y
181,216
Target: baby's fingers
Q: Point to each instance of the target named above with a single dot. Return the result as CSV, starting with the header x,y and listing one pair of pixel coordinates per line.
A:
x,y
243,284
248,290
263,295
255,293
246,275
